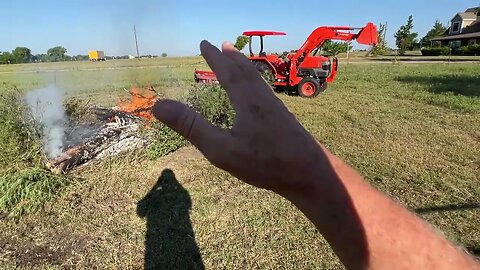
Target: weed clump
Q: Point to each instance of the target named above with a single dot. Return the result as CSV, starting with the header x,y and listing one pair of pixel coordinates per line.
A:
x,y
211,101
165,141
27,190
20,145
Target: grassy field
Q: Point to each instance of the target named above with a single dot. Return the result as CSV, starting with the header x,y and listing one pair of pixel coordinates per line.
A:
x,y
412,130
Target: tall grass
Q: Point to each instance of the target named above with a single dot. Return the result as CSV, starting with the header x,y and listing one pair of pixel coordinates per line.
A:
x,y
24,185
25,191
20,145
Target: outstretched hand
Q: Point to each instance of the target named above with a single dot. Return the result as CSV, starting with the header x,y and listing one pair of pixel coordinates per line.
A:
x,y
267,147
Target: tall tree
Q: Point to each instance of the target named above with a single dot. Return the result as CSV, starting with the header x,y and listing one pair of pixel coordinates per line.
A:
x,y
437,30
382,45
241,42
405,38
56,54
22,55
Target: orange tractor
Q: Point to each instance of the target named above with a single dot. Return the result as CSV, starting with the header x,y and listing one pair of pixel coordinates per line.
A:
x,y
305,71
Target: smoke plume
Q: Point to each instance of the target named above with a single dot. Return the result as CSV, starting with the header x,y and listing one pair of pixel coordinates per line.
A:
x,y
46,108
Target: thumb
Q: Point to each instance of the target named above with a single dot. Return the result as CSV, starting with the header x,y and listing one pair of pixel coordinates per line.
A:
x,y
192,126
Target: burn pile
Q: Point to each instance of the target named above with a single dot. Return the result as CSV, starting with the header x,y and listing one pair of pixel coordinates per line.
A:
x,y
70,142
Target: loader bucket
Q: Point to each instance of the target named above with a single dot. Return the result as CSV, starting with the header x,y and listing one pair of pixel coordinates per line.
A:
x,y
368,35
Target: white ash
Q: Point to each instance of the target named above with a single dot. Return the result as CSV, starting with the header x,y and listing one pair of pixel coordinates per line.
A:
x,y
127,140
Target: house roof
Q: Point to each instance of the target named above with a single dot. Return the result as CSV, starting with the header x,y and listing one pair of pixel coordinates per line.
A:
x,y
472,28
454,37
467,15
472,10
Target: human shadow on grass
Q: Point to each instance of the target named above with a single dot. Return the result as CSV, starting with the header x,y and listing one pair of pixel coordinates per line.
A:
x,y
472,249
447,208
465,85
169,240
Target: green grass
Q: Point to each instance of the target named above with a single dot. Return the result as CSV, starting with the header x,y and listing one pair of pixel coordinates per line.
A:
x,y
412,130
26,191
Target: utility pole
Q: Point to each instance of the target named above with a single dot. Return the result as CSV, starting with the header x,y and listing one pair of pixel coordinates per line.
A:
x,y
385,33
136,41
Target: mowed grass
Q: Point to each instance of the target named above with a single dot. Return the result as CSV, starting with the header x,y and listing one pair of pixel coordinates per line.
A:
x,y
413,131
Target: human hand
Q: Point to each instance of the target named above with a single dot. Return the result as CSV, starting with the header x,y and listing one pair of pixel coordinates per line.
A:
x,y
267,147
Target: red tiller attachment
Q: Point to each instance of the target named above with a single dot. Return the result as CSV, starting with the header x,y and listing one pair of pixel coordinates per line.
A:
x,y
368,35
205,77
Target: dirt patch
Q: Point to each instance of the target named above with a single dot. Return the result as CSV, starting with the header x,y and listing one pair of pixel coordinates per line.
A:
x,y
27,253
58,250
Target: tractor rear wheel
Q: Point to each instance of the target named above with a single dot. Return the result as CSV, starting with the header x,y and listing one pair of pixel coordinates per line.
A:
x,y
266,72
310,87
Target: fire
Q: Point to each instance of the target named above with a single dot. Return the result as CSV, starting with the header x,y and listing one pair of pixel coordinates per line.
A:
x,y
141,102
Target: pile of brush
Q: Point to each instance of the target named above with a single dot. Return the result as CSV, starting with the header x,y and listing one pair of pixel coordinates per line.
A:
x,y
69,141
119,133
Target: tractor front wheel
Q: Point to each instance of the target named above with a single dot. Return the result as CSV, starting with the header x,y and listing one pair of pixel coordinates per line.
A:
x,y
310,87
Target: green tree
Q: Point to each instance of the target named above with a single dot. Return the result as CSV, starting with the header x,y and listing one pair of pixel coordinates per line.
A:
x,y
241,42
164,55
22,55
333,48
382,46
6,58
405,38
40,57
56,54
437,30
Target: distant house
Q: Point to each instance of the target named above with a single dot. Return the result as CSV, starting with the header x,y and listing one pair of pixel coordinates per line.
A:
x,y
464,29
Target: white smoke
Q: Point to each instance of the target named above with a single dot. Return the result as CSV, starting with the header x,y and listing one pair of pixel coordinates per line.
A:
x,y
46,108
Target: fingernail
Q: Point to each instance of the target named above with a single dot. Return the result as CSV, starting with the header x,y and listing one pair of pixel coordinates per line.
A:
x,y
204,43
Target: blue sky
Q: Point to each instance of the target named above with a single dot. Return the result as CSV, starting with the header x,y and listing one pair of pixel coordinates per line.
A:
x,y
176,27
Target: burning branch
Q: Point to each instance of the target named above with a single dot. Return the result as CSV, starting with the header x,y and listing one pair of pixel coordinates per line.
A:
x,y
141,102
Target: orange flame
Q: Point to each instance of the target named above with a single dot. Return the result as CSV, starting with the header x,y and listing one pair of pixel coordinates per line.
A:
x,y
141,102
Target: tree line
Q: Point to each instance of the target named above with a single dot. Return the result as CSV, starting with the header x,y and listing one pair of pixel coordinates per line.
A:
x,y
22,55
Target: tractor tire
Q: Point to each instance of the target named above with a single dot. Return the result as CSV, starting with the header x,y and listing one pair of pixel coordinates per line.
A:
x,y
310,87
266,72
